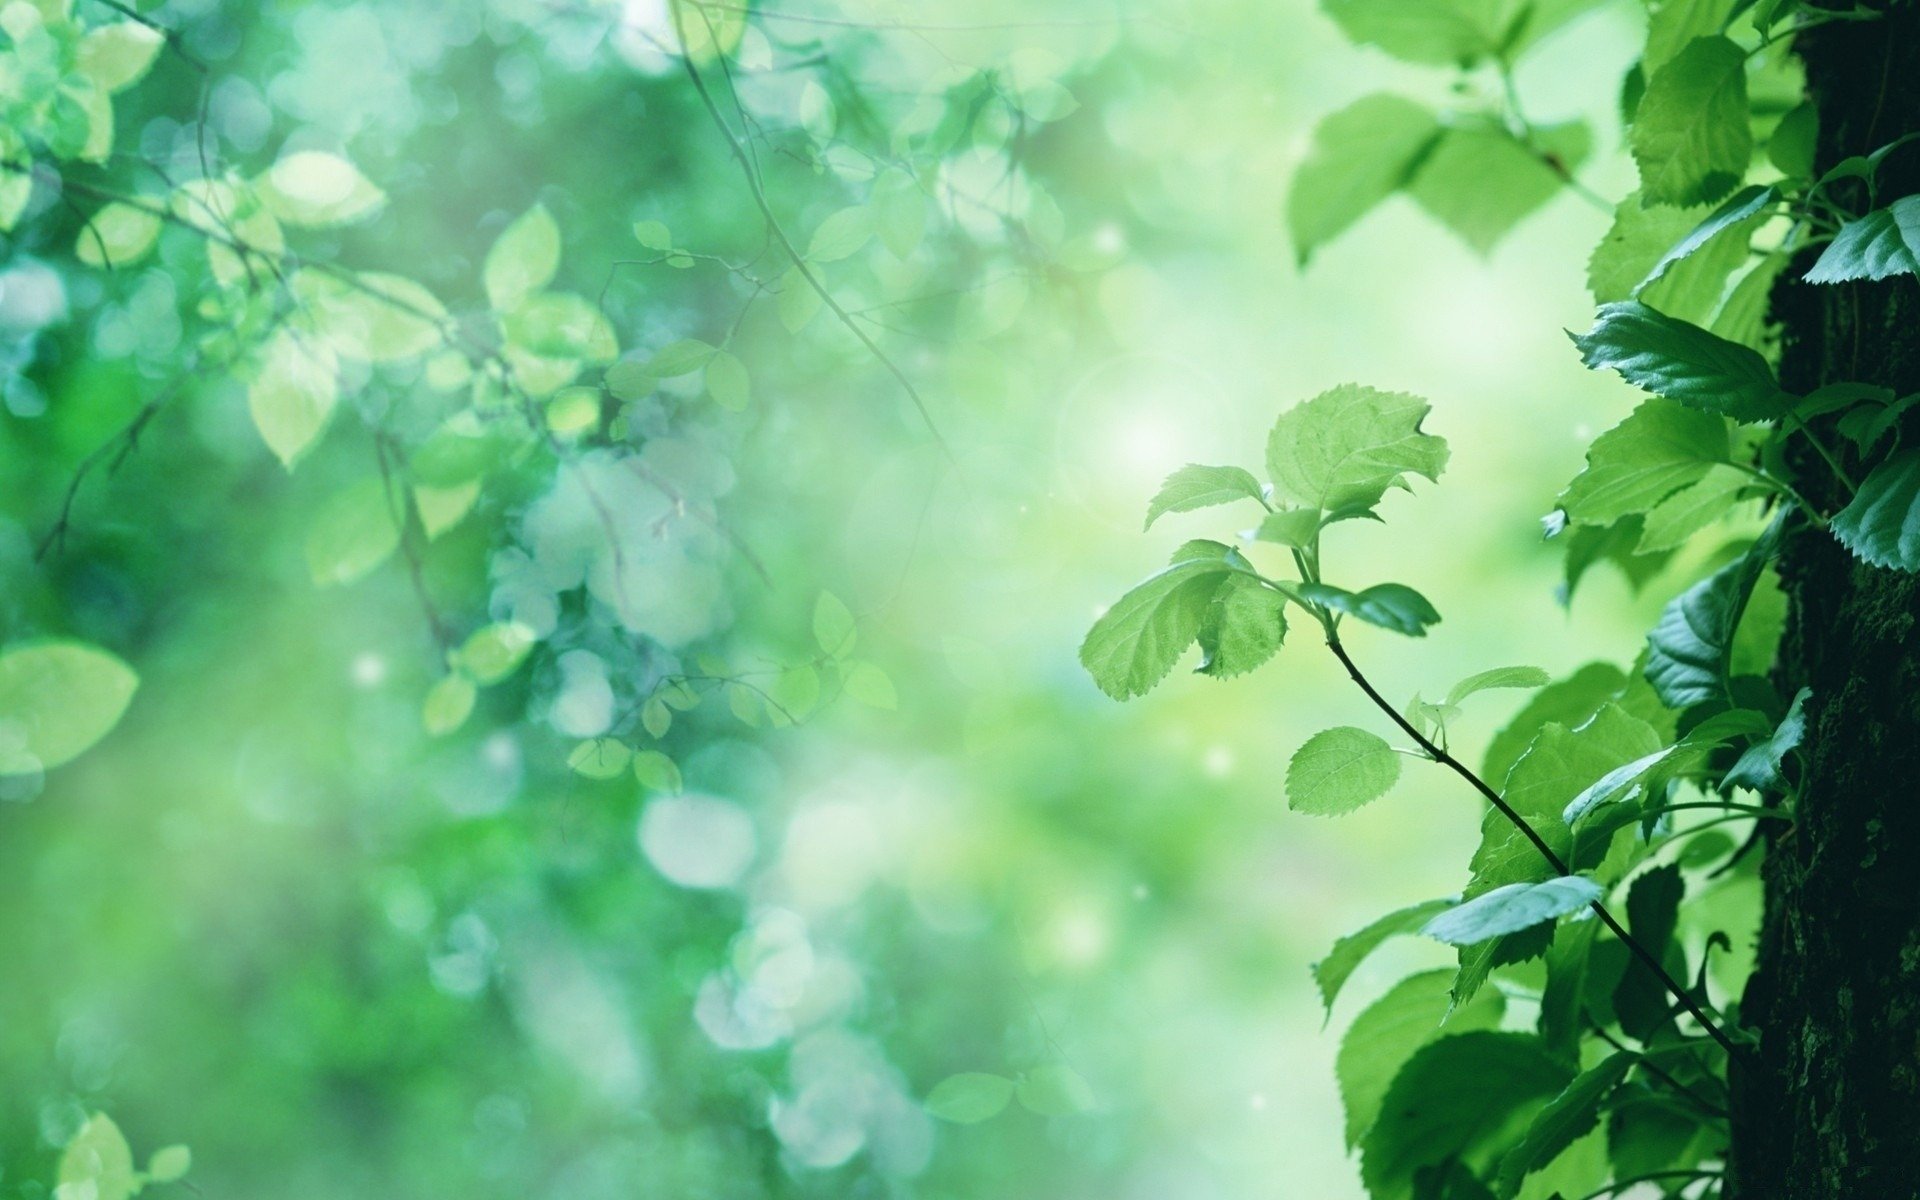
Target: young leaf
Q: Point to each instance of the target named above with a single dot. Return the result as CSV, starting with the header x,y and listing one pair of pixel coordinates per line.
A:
x,y
1688,288
353,533
1881,524
448,704
1738,208
292,395
1498,677
1446,33
1480,181
97,1163
1054,1090
1136,642
1570,703
119,235
495,651
314,188
1360,156
1347,446
656,771
1704,502
169,1164
1388,1031
600,758
834,629
1691,136
1659,449
1392,606
117,56
1243,629
1682,362
1565,1119
1194,486
1331,973
1690,647
523,259
1294,527
1452,1095
969,1097
56,700
1339,770
1512,908
1880,245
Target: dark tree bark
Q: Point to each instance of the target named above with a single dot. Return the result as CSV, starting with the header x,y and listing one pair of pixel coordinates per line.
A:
x,y
1829,1107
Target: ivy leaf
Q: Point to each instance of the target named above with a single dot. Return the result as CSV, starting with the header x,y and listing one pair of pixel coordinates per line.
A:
x,y
57,699
1480,181
1880,245
1243,629
1691,137
1331,973
1194,486
1452,1096
1512,908
969,1097
1498,677
1759,767
1738,208
1690,649
1136,642
1339,770
353,533
1659,449
1682,362
1388,1031
1881,524
1360,155
1566,1118
1347,446
1392,606
314,188
523,259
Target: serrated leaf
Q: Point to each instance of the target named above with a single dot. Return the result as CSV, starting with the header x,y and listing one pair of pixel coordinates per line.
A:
x,y
57,699
318,189
969,1097
1347,446
1690,135
1339,770
1659,449
1243,629
1512,908
352,533
1360,156
1674,23
1135,643
1571,703
1682,362
1392,606
1452,1095
1880,245
1331,973
1295,527
1690,648
1388,1031
1881,524
1498,677
1565,1119
1677,518
1759,768
1738,209
523,259
1480,181
1194,486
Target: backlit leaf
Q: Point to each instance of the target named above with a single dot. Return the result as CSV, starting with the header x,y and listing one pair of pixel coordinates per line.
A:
x,y
353,533
1194,486
1347,446
970,1097
523,259
1690,135
1339,770
1360,156
57,699
315,188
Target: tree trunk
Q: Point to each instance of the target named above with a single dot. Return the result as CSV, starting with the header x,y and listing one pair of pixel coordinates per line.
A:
x,y
1829,1108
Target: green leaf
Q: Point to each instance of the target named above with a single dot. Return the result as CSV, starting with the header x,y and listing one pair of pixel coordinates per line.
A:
x,y
119,235
1243,629
1389,605
169,1164
1759,768
495,651
1294,527
1454,1095
56,700
1690,136
870,685
318,189
1881,524
97,1163
1512,908
656,717
1566,1118
1659,449
448,704
1498,677
117,56
1194,486
373,317
523,259
1703,503
1339,770
1480,181
600,758
1136,642
1690,649
1347,446
1682,362
728,382
1738,209
1360,156
1438,32
1571,702
1689,288
292,395
1640,1000
656,771
1880,245
1388,1031
842,234
1054,1090
1674,23
558,325
1331,973
834,629
353,533
1791,146
969,1097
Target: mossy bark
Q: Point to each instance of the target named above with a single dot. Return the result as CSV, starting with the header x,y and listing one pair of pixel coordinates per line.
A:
x,y
1829,1106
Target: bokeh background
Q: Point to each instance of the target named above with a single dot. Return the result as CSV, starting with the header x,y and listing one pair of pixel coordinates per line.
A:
x,y
272,919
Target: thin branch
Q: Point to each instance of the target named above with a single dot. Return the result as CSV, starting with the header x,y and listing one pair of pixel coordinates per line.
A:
x,y
1559,864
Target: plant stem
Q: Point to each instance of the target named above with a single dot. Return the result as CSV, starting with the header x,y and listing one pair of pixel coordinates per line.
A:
x,y
1440,755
